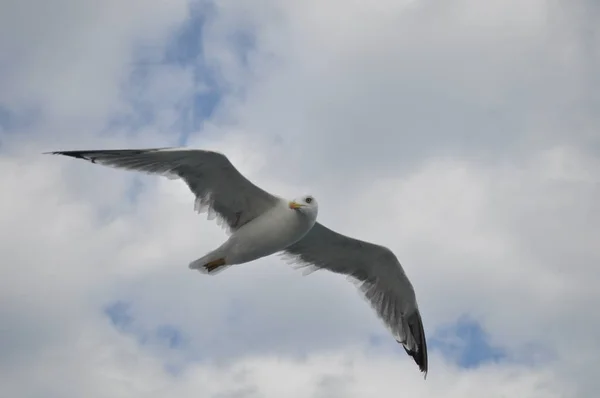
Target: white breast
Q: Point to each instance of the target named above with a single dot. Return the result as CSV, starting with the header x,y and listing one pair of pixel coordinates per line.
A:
x,y
267,234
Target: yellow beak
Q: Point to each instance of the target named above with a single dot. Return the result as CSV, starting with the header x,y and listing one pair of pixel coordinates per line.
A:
x,y
294,205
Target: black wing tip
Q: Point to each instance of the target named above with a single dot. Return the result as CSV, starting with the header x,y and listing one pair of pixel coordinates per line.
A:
x,y
420,358
419,355
73,154
83,153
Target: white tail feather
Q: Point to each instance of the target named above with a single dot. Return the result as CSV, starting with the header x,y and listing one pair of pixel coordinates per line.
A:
x,y
200,264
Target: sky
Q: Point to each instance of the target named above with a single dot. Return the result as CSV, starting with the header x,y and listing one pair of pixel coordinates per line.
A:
x,y
464,135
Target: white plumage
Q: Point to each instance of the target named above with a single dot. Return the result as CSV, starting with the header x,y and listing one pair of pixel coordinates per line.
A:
x,y
261,224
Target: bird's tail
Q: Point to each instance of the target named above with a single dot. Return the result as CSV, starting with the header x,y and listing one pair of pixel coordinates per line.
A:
x,y
212,263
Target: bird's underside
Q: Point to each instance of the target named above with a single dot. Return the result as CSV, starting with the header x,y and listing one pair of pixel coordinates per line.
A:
x,y
222,190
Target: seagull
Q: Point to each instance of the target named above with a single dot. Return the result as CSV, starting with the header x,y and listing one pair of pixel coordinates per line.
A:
x,y
260,224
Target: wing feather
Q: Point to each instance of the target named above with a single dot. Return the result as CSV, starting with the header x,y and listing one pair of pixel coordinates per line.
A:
x,y
218,186
380,277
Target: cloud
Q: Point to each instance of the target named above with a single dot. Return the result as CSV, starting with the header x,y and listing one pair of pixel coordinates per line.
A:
x,y
457,134
105,364
50,64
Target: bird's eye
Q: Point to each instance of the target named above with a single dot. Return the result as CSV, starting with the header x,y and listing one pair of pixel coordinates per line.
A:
x,y
308,200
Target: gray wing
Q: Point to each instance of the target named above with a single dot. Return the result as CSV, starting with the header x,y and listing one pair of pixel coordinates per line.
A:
x,y
218,185
381,277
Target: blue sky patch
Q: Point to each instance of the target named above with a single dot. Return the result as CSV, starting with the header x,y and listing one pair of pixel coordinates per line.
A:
x,y
170,336
466,343
186,50
120,314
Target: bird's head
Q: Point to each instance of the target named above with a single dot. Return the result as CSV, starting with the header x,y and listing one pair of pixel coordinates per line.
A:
x,y
306,204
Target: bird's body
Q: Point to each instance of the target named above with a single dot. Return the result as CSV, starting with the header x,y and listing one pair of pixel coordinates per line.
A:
x,y
269,233
262,224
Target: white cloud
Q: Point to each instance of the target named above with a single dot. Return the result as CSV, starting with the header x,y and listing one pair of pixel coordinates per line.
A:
x,y
71,56
457,133
104,364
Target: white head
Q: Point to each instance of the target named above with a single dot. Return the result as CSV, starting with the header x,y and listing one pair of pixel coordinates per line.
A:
x,y
307,205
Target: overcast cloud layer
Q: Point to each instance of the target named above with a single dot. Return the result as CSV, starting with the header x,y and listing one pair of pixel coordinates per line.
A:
x,y
462,134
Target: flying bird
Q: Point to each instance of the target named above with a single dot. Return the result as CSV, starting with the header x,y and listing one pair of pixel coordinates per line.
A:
x,y
260,224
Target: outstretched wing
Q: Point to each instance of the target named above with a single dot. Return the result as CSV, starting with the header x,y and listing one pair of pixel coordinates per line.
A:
x,y
381,277
219,187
